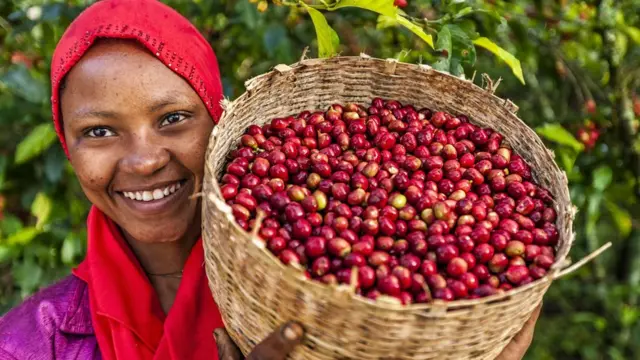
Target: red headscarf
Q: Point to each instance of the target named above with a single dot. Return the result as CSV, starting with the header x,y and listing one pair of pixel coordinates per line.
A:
x,y
126,314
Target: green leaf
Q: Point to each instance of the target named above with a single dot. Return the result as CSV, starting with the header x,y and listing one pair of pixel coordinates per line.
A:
x,y
41,209
3,170
459,48
463,12
502,54
248,13
629,315
463,50
71,247
10,224
602,177
585,318
23,236
616,354
20,82
383,7
328,40
5,253
78,209
634,266
560,135
54,162
456,68
38,140
441,65
416,30
590,319
621,44
621,217
443,42
632,32
568,158
493,14
28,275
386,22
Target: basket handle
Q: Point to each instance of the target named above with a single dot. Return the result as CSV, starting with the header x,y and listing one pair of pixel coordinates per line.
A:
x,y
579,264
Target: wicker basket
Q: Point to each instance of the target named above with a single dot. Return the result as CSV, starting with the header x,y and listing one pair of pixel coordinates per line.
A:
x,y
256,292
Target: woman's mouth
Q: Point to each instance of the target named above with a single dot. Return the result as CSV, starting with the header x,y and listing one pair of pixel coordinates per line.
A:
x,y
158,199
155,194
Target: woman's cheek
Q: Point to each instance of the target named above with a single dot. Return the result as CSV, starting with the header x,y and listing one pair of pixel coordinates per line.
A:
x,y
92,171
195,154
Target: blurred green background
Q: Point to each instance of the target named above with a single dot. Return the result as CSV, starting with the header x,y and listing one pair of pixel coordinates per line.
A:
x,y
581,66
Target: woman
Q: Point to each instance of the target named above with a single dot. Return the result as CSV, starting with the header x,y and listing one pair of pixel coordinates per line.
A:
x,y
136,92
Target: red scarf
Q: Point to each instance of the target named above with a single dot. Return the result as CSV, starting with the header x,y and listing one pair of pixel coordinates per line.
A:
x,y
126,313
127,317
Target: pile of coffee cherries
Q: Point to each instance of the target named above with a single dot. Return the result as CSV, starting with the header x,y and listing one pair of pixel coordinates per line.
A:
x,y
410,203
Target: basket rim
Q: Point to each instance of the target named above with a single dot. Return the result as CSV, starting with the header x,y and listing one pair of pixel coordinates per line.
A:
x,y
252,85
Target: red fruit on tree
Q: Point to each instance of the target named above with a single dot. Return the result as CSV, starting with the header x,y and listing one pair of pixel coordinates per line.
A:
x,y
400,3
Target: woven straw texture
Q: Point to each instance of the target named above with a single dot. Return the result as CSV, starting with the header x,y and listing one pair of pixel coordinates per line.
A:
x,y
256,293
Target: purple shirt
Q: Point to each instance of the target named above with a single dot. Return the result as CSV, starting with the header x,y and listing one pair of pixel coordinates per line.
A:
x,y
55,323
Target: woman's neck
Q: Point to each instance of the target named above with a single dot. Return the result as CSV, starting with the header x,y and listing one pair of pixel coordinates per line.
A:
x,y
163,262
162,258
166,256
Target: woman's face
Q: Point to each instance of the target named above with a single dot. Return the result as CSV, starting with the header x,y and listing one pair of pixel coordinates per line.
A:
x,y
137,135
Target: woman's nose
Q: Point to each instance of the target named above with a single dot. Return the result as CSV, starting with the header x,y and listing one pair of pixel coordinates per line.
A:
x,y
145,158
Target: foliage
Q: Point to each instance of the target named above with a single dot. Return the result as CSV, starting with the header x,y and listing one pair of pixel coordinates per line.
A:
x,y
575,83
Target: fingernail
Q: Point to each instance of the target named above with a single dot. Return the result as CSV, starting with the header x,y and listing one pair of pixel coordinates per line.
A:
x,y
293,331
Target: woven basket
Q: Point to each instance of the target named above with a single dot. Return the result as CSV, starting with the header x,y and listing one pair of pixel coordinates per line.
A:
x,y
256,292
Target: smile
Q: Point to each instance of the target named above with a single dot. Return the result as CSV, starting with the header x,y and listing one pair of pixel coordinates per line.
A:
x,y
153,194
157,199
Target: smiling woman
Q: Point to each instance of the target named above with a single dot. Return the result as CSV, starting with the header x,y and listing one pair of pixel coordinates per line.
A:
x,y
133,105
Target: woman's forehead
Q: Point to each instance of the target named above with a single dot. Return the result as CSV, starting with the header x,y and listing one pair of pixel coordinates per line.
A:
x,y
125,62
121,75
116,56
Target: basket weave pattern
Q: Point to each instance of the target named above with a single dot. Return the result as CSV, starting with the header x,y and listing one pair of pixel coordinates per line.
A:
x,y
256,293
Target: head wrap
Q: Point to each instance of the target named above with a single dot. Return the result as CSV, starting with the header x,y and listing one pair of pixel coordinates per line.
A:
x,y
164,32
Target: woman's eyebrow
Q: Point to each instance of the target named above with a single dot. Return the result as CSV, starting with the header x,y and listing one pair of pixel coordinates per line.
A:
x,y
89,113
159,104
168,100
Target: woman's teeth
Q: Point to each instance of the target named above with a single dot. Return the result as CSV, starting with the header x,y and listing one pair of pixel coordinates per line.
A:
x,y
155,194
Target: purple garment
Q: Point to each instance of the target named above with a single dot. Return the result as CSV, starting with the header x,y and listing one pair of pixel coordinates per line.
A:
x,y
55,323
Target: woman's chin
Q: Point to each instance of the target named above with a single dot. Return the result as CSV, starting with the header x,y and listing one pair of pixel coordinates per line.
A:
x,y
159,234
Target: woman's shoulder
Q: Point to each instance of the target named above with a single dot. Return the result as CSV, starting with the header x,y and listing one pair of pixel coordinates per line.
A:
x,y
43,322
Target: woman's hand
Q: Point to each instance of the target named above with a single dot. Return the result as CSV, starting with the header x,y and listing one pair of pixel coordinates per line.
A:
x,y
275,347
516,349
282,341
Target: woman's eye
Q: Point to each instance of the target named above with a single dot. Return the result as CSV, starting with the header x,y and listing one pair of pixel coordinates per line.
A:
x,y
99,132
172,119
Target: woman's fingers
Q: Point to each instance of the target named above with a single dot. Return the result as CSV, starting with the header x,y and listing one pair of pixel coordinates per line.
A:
x,y
227,349
279,344
275,347
516,349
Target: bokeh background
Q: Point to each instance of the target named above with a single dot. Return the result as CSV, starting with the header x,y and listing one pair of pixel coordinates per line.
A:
x,y
581,70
